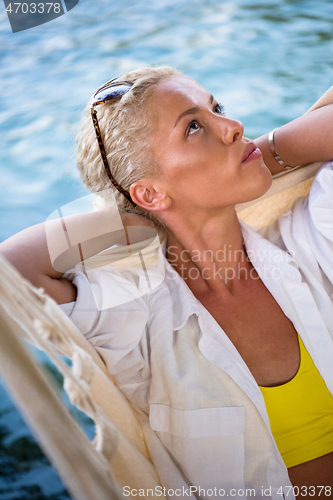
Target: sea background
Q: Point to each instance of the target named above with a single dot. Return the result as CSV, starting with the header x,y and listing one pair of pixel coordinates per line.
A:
x,y
266,61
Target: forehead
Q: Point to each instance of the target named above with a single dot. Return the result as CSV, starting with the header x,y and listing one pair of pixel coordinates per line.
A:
x,y
177,93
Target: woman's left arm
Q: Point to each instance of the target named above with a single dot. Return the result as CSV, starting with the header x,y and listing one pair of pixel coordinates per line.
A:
x,y
307,139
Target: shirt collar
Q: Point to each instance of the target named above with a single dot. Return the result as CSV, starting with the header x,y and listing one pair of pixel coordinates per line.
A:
x,y
184,303
269,260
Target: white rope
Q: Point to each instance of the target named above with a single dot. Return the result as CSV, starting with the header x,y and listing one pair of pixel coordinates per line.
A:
x,y
83,470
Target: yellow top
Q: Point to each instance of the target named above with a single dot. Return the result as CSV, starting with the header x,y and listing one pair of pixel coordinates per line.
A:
x,y
301,414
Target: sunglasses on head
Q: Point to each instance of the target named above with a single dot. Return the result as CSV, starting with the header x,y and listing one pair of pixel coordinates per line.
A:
x,y
110,91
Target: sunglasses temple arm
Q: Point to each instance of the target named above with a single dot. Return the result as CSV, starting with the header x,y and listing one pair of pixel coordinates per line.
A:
x,y
105,160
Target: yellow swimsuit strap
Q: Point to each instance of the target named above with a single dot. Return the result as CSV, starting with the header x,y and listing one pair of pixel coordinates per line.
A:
x,y
301,413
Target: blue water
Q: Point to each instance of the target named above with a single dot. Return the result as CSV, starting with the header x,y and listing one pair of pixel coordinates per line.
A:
x,y
266,61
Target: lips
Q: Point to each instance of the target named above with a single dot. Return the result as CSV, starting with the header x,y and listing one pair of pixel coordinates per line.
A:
x,y
250,148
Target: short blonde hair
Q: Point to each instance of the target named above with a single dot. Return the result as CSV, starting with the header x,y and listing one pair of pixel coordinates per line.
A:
x,y
127,129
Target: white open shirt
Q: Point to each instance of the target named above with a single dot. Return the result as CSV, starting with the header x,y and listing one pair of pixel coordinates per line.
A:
x,y
202,412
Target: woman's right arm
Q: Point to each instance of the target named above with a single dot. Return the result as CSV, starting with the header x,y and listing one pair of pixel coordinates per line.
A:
x,y
28,252
43,253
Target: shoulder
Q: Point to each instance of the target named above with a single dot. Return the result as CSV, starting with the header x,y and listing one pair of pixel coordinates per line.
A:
x,y
118,309
307,229
315,211
321,200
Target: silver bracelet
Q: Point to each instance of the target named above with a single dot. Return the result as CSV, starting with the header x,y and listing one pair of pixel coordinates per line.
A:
x,y
275,154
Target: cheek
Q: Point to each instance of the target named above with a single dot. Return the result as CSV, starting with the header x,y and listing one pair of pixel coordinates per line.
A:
x,y
174,168
191,170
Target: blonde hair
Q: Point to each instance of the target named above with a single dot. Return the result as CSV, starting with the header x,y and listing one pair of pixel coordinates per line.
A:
x,y
126,126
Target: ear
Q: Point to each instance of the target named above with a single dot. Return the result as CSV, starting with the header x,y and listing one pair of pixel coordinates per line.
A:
x,y
149,196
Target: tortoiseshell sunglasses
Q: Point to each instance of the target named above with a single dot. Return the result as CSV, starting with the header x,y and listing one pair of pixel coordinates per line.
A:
x,y
110,91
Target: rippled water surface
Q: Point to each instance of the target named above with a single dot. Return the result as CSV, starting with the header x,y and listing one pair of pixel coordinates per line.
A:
x,y
266,61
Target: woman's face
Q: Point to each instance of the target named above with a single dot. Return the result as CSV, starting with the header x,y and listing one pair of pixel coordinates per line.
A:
x,y
204,160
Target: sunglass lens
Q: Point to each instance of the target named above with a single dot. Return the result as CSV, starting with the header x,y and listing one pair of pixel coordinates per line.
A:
x,y
111,93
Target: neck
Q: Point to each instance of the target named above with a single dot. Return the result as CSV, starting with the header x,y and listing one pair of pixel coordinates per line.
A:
x,y
209,255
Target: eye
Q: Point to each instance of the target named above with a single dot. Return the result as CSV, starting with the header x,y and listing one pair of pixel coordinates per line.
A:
x,y
219,109
193,127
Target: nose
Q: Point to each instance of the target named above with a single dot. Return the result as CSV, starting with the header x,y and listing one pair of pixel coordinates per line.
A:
x,y
232,130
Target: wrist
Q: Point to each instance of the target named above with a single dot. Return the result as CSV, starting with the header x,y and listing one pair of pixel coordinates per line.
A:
x,y
274,152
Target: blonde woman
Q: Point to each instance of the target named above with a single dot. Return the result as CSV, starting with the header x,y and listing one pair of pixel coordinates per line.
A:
x,y
228,359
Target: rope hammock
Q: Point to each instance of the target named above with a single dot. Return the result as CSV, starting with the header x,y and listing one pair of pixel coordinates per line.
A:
x,y
118,455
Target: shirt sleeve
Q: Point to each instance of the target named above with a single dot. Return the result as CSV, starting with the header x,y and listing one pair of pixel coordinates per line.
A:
x,y
319,219
111,313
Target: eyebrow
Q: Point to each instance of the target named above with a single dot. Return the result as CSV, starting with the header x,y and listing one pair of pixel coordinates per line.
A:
x,y
191,111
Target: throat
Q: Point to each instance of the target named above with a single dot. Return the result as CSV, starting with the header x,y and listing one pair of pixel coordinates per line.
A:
x,y
209,254
206,272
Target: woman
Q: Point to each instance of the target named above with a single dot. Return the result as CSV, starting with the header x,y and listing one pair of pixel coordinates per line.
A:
x,y
236,318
